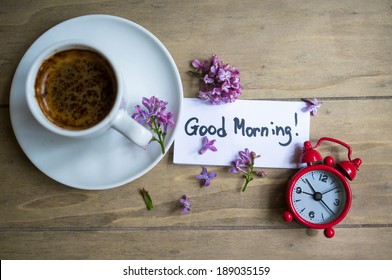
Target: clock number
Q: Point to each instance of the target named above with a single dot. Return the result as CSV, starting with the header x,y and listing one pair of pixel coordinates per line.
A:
x,y
298,190
337,202
311,214
323,178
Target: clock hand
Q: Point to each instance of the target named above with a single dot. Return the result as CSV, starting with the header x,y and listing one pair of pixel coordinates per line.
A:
x,y
322,201
307,193
310,185
327,191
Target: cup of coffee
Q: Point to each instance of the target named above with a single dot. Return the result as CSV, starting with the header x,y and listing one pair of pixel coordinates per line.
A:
x,y
74,89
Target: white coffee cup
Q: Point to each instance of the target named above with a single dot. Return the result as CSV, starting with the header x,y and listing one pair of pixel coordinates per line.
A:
x,y
117,117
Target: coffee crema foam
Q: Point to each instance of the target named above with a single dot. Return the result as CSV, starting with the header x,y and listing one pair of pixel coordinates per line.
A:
x,y
76,89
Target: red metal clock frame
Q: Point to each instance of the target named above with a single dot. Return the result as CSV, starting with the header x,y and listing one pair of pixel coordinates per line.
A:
x,y
344,169
297,216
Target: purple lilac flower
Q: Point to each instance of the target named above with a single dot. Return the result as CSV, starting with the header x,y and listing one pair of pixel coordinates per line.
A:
x,y
156,117
220,82
245,165
205,177
247,157
200,66
312,105
236,166
207,145
186,207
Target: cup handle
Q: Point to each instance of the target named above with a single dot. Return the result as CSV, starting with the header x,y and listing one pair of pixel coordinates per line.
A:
x,y
131,129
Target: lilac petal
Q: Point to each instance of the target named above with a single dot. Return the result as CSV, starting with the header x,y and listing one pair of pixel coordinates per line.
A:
x,y
246,157
316,102
205,140
203,175
185,204
196,63
224,75
146,102
184,201
207,145
233,170
213,70
206,177
208,80
236,166
213,148
203,150
185,210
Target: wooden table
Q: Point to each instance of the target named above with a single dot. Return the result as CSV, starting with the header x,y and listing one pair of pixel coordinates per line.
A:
x,y
337,51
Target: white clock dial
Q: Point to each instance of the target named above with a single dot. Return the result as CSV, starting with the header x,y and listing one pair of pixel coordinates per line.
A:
x,y
319,196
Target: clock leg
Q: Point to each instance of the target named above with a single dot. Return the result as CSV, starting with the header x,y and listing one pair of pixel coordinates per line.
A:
x,y
329,232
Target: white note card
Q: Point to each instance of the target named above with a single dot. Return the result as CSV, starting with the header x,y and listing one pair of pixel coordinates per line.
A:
x,y
275,130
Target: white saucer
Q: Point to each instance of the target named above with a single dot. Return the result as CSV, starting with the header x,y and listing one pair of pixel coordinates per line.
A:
x,y
111,160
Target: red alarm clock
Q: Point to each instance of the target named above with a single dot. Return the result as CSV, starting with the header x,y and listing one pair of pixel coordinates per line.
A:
x,y
319,195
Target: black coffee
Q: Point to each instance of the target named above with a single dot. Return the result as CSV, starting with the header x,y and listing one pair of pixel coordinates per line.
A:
x,y
76,89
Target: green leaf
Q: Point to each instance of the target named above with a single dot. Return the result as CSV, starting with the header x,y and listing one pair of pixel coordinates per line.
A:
x,y
147,199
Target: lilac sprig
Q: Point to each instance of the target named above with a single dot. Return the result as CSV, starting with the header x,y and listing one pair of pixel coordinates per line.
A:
x,y
246,160
156,117
220,82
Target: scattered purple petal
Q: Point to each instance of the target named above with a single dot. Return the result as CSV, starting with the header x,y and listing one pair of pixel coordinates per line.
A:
x,y
186,207
312,105
207,145
206,177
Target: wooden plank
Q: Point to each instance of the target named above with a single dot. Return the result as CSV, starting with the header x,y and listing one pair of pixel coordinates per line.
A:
x,y
284,50
349,243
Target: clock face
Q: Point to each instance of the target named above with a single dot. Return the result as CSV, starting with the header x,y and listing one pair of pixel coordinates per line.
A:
x,y
319,196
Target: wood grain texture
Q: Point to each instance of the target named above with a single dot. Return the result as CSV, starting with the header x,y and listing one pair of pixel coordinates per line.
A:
x,y
197,244
337,51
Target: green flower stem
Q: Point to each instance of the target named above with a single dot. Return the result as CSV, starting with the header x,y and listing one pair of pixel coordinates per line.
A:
x,y
198,74
161,142
161,137
247,180
248,177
